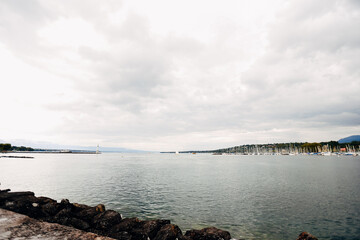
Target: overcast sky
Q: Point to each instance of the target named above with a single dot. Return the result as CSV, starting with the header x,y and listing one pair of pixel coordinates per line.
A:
x,y
179,75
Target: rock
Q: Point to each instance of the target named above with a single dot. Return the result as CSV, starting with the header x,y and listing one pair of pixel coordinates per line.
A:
x,y
18,226
12,195
306,236
66,207
45,200
65,203
24,202
17,198
147,229
50,209
106,220
88,214
100,208
125,225
168,232
121,236
78,223
63,216
210,233
9,204
79,207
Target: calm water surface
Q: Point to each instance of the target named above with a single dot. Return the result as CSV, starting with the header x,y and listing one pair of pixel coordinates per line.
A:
x,y
253,197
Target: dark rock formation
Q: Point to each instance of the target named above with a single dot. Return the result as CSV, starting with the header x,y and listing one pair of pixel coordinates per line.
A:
x,y
210,233
92,219
105,222
17,226
87,214
145,229
169,232
306,236
5,190
126,225
50,208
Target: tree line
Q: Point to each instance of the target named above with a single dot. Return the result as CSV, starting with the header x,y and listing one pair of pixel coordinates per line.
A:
x,y
6,147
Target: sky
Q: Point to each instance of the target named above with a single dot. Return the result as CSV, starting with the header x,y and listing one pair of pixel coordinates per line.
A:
x,y
178,75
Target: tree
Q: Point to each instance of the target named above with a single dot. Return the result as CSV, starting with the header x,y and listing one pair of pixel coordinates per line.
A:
x,y
4,147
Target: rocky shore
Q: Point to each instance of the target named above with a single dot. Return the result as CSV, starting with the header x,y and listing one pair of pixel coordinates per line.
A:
x,y
16,226
104,222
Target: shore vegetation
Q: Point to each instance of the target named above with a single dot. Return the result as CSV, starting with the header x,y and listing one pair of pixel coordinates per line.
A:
x,y
7,147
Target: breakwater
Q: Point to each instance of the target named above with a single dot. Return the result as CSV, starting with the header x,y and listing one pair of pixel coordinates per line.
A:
x,y
105,222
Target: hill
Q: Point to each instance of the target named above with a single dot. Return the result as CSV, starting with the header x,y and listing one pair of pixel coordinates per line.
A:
x,y
350,139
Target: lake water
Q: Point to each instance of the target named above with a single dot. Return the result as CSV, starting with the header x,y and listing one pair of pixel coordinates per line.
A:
x,y
253,197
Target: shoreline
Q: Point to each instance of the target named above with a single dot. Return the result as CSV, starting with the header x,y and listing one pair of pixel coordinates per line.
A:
x,y
54,152
107,223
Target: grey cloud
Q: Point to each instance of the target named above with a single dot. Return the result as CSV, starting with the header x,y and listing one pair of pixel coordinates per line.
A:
x,y
308,10
127,76
182,46
354,3
308,73
318,26
144,85
91,11
328,120
19,22
30,10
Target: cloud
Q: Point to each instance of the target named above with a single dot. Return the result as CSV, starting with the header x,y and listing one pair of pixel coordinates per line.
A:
x,y
189,76
308,70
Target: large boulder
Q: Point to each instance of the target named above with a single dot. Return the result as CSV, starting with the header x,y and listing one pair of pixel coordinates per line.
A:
x,y
106,220
50,209
78,223
79,207
21,202
147,229
125,225
88,214
45,200
65,204
5,190
14,195
306,236
100,208
169,232
210,233
63,216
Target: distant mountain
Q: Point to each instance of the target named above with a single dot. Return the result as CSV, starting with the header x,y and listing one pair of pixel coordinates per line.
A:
x,y
350,139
